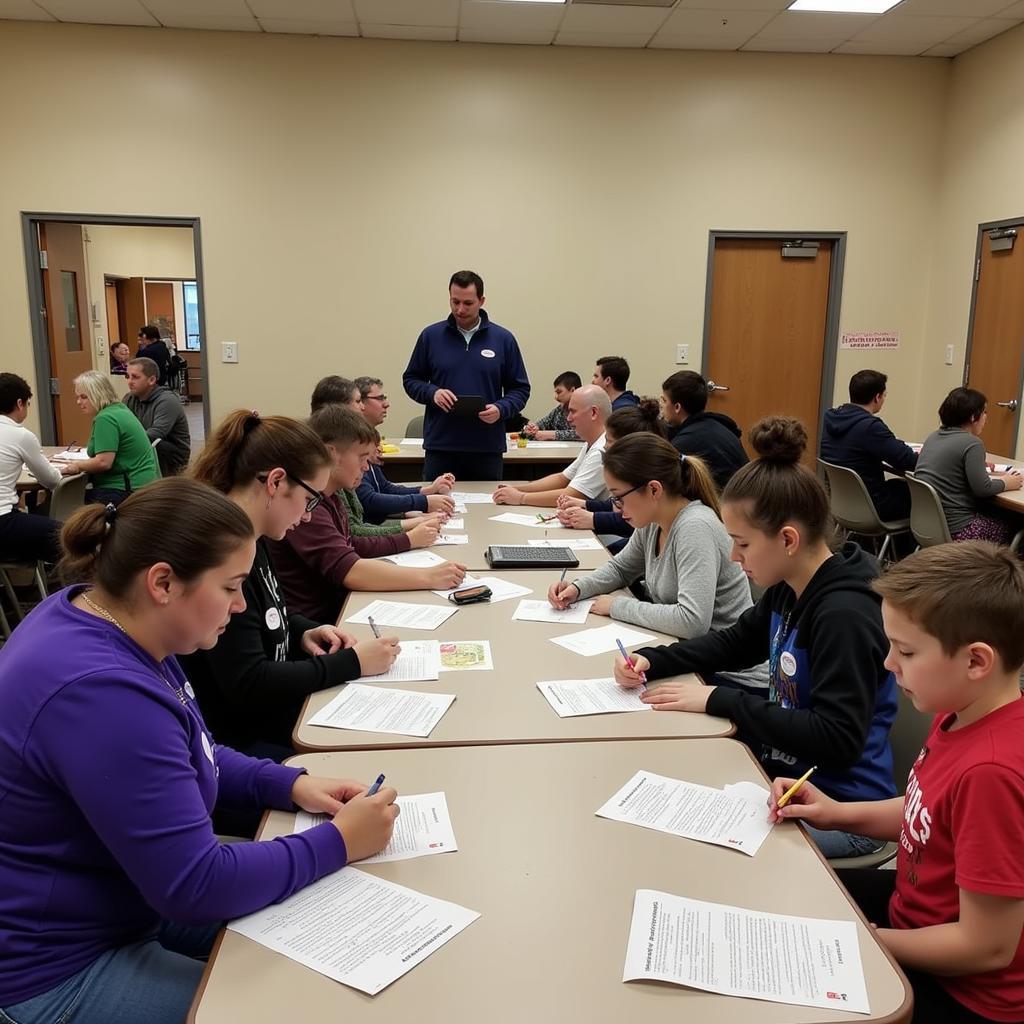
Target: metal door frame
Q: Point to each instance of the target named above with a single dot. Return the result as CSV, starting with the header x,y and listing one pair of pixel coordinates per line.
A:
x,y
40,344
835,292
1013,222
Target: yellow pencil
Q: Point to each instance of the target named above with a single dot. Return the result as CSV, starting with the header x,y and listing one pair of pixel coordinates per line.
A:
x,y
788,795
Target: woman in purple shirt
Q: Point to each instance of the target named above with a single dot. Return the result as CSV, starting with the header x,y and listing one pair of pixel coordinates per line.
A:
x,y
108,774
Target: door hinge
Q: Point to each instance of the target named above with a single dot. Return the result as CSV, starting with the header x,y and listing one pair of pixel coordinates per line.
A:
x,y
54,385
977,269
44,262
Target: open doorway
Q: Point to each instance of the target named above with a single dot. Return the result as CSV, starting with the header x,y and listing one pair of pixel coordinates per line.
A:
x,y
95,281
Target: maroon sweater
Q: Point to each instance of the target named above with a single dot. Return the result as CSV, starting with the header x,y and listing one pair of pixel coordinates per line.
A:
x,y
313,559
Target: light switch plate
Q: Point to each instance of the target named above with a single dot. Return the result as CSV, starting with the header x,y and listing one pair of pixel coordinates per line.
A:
x,y
949,355
229,352
682,354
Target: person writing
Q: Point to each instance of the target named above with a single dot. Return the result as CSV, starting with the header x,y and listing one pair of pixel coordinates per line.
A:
x,y
554,425
113,880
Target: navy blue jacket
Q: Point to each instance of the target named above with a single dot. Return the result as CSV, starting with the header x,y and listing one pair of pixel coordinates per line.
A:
x,y
831,700
625,400
490,365
856,439
715,438
607,519
382,499
160,354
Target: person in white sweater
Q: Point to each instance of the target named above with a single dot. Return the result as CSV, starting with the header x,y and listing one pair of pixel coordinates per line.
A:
x,y
680,550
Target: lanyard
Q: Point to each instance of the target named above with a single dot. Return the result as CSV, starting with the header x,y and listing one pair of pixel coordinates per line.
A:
x,y
781,690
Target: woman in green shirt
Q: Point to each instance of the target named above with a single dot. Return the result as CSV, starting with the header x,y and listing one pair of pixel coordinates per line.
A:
x,y
121,457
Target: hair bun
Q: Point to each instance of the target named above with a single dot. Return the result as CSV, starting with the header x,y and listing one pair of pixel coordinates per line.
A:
x,y
251,422
650,409
779,439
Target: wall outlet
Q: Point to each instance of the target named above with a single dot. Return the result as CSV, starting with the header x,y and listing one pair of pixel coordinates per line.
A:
x,y
682,354
229,352
101,346
949,355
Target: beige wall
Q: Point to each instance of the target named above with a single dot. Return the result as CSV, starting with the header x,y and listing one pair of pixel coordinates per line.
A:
x,y
982,157
340,182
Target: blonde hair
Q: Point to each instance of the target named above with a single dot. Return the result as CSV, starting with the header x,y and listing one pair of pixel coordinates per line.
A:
x,y
97,388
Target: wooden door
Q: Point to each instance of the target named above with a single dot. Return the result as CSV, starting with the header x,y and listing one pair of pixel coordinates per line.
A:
x,y
131,300
766,340
160,308
114,335
995,360
65,300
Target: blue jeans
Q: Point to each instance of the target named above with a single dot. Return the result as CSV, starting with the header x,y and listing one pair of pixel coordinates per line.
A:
x,y
153,980
836,844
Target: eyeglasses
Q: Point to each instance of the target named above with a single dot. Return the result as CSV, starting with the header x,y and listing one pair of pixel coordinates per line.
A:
x,y
618,499
315,497
375,398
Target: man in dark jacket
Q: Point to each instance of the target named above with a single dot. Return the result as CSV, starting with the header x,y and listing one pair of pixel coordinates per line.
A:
x,y
466,356
856,438
711,436
161,413
611,373
152,346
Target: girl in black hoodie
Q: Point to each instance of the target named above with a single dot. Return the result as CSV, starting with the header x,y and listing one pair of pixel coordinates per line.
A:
x,y
831,701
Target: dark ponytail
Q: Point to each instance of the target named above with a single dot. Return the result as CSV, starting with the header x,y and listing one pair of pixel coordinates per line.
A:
x,y
246,444
646,416
776,487
643,457
176,520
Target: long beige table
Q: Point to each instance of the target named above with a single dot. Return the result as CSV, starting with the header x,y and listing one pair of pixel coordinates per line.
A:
x,y
27,481
535,460
503,705
1012,500
554,886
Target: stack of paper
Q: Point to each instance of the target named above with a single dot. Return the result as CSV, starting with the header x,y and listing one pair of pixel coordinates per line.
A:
x,y
470,498
542,611
573,697
414,441
601,639
398,613
417,660
725,818
375,709
78,455
803,961
418,559
325,927
422,829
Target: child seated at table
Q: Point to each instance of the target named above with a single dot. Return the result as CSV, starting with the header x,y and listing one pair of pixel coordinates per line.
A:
x,y
831,701
680,550
952,913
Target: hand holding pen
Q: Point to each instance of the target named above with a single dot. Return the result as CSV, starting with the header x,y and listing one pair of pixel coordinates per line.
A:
x,y
637,666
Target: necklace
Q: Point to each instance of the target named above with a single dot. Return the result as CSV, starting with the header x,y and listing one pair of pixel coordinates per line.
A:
x,y
103,613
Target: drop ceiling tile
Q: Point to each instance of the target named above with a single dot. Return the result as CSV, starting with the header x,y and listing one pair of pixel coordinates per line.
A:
x,y
526,36
1013,11
169,9
954,8
680,42
101,12
921,32
713,23
407,12
439,33
986,28
23,10
879,47
304,10
795,25
309,27
615,18
211,23
944,50
759,45
534,17
617,39
732,6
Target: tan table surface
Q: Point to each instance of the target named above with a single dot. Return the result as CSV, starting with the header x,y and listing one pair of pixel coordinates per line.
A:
x,y
26,481
1013,500
503,705
482,532
554,886
559,456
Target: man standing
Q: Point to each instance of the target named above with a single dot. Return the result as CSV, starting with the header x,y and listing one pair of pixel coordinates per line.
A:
x,y
857,438
161,413
456,365
611,373
589,408
151,346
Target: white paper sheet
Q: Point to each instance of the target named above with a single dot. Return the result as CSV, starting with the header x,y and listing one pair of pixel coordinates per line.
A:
x,y
417,661
573,697
803,961
501,590
451,538
398,613
574,543
423,828
466,656
416,441
455,524
419,559
375,709
1005,467
541,611
601,639
686,809
520,519
326,927
80,455
471,498
460,507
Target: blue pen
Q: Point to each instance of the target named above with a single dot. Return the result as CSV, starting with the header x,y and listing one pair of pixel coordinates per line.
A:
x,y
629,661
373,789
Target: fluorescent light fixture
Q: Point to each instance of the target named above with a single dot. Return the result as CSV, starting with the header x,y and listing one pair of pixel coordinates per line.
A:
x,y
845,6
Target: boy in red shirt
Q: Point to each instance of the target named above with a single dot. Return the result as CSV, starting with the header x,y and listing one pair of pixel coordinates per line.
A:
x,y
952,913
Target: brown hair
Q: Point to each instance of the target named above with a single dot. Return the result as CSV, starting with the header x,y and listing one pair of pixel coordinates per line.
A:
x,y
179,521
338,424
246,444
642,457
776,488
645,415
962,593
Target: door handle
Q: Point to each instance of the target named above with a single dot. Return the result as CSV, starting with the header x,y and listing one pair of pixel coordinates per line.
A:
x,y
1011,405
712,386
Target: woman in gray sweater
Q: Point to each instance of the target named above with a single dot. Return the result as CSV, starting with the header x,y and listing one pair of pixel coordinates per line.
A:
x,y
680,550
952,460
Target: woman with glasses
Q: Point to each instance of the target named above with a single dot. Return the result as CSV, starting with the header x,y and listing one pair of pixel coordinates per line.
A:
x,y
679,549
252,684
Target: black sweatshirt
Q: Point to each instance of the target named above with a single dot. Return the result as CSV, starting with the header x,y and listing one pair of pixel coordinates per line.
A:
x,y
252,685
832,701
